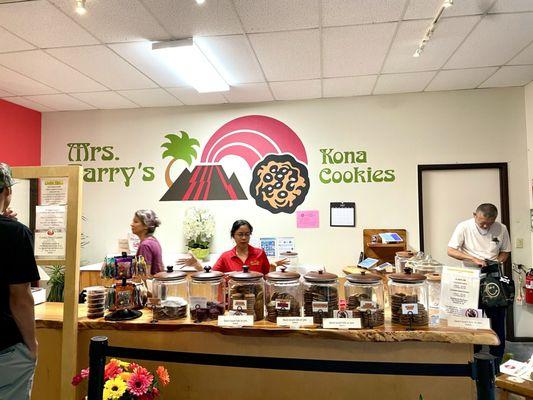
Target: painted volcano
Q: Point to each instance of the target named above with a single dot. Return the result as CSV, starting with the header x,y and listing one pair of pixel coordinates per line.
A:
x,y
205,182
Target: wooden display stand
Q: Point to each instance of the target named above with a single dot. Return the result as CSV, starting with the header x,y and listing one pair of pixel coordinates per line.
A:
x,y
69,344
506,386
385,252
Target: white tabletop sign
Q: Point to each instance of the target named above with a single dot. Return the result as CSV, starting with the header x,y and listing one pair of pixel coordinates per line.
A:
x,y
341,323
410,308
235,321
294,322
459,290
468,323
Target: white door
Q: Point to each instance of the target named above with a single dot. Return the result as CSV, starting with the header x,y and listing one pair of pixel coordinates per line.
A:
x,y
451,196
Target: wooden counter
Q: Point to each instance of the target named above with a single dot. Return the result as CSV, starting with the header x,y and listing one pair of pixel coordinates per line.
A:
x,y
50,315
265,341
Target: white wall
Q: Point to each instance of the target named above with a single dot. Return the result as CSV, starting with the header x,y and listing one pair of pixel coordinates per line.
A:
x,y
398,132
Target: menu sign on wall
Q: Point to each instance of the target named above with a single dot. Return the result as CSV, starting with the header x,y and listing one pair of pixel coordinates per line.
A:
x,y
50,232
53,191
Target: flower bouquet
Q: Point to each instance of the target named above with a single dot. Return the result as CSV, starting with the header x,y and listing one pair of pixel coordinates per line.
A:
x,y
198,229
127,381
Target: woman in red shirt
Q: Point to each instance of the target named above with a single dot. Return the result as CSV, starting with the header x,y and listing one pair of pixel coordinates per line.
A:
x,y
242,254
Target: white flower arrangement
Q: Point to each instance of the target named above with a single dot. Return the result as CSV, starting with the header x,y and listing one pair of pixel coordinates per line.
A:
x,y
198,228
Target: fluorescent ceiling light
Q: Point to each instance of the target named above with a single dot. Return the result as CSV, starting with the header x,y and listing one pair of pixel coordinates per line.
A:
x,y
200,2
185,57
447,3
80,7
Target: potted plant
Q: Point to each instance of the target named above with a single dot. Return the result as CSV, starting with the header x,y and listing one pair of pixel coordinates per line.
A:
x,y
198,229
57,283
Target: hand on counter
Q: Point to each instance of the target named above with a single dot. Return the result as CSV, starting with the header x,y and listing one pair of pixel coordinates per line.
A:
x,y
190,261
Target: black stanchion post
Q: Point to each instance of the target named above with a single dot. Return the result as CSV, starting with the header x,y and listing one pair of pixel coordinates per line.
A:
x,y
97,354
483,373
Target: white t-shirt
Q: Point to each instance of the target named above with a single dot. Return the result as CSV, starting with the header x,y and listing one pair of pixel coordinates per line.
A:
x,y
468,237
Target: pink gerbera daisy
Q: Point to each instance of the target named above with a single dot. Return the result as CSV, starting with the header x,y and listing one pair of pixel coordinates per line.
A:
x,y
140,381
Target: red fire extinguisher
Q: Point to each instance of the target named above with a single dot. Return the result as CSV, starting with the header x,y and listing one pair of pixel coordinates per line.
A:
x,y
529,287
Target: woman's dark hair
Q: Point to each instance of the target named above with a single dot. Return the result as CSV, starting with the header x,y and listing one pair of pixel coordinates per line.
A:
x,y
237,224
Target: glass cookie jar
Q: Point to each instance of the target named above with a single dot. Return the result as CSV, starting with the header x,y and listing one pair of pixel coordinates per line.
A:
x,y
409,288
206,300
283,294
172,288
321,295
365,296
246,293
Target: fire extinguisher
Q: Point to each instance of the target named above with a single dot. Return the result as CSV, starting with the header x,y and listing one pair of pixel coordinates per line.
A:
x,y
529,287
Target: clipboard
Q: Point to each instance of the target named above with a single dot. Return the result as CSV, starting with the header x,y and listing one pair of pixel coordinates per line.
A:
x,y
342,214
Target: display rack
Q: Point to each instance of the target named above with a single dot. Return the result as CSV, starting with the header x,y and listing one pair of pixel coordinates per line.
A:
x,y
385,252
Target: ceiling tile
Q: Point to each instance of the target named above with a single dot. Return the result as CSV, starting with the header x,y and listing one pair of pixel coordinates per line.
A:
x,y
151,97
357,12
184,19
296,90
248,93
355,50
43,25
512,6
190,96
278,15
449,34
494,41
24,102
116,20
20,85
4,93
104,66
524,57
60,102
10,42
233,58
419,9
349,86
105,100
287,56
516,75
403,83
456,79
141,56
44,68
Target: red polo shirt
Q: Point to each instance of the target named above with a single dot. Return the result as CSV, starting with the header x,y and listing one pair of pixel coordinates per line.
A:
x,y
229,261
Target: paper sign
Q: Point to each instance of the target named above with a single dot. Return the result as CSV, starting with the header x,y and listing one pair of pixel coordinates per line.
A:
x,y
235,321
50,217
50,244
269,246
53,191
285,244
468,323
320,306
341,323
240,304
410,308
283,305
294,322
307,219
201,302
459,290
342,314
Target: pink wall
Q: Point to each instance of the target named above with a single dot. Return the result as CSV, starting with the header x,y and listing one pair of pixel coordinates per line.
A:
x,y
20,135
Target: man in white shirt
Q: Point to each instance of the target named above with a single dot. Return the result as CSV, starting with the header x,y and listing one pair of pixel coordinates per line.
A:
x,y
478,240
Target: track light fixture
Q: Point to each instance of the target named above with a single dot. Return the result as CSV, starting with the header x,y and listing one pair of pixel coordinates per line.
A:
x,y
80,7
431,28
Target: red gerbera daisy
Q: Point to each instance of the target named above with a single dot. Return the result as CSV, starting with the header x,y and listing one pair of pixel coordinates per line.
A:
x,y
140,381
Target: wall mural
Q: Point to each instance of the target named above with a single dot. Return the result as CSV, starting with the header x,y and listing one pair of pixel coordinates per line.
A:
x,y
274,153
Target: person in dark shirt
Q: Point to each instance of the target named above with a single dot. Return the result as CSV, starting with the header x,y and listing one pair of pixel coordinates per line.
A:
x,y
18,346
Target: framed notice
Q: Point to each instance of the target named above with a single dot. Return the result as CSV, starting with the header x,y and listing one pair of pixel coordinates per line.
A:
x,y
342,214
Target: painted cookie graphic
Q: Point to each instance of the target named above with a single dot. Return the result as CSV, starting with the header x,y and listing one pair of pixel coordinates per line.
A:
x,y
279,183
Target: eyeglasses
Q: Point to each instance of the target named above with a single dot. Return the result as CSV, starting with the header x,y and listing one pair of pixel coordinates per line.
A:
x,y
243,234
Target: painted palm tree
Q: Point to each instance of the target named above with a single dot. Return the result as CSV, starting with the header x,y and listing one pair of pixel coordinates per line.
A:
x,y
179,148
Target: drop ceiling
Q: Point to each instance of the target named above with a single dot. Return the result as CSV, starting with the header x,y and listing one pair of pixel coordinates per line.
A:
x,y
52,59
